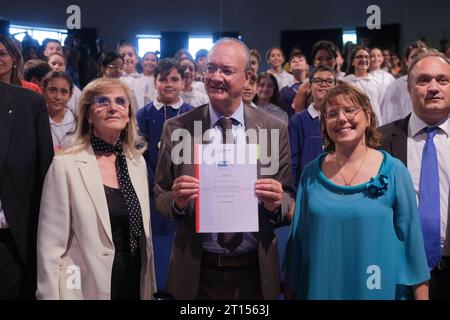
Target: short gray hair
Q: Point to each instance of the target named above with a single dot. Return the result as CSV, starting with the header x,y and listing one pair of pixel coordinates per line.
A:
x,y
425,54
236,41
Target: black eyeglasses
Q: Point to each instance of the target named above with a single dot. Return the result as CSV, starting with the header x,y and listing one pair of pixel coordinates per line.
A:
x,y
320,81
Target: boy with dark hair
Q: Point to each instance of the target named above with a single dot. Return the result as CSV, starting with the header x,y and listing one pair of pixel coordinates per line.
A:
x,y
168,104
35,70
299,68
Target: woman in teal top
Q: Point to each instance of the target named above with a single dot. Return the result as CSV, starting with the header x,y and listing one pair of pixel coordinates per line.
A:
x,y
356,232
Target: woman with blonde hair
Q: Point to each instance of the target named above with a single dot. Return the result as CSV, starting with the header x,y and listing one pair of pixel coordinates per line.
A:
x,y
356,232
94,238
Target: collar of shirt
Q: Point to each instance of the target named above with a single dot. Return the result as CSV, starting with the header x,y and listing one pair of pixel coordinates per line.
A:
x,y
133,75
158,105
416,125
68,119
238,115
312,111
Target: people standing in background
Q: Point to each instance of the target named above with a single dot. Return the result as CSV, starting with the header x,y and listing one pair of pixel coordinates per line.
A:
x,y
275,59
376,69
322,53
255,61
249,92
144,87
35,70
299,69
58,63
151,118
358,75
57,90
397,101
200,62
267,97
51,46
304,127
189,94
11,64
130,61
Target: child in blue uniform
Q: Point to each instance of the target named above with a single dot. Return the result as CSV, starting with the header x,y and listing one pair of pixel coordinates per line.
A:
x,y
168,104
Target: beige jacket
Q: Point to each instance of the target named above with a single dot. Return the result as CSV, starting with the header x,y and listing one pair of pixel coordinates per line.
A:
x,y
75,250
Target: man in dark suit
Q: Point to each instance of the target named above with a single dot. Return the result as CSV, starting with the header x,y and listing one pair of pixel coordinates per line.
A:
x,y
205,266
25,154
422,142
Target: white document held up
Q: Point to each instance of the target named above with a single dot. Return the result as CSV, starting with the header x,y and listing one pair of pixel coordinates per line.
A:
x,y
226,200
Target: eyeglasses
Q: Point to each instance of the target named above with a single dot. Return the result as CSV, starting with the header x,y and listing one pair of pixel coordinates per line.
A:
x,y
349,113
320,81
103,102
211,69
115,66
53,90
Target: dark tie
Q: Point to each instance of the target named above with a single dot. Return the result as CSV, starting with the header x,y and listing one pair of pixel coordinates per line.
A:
x,y
429,201
229,240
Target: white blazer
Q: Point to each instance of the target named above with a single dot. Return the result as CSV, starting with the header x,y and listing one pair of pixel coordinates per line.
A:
x,y
75,250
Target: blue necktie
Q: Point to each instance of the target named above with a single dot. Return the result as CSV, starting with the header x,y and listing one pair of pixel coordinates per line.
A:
x,y
429,201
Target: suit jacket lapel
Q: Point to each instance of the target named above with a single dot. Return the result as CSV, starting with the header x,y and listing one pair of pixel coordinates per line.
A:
x,y
90,173
399,140
7,115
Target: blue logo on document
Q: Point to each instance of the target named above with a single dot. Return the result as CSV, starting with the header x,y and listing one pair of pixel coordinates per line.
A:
x,y
223,164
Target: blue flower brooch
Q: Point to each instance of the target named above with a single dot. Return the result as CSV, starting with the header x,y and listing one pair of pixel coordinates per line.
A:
x,y
377,187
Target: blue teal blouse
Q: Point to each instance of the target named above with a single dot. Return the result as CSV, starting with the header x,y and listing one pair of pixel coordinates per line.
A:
x,y
358,242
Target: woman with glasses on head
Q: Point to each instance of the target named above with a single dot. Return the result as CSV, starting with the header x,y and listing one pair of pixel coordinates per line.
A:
x,y
359,76
304,127
58,89
356,232
94,238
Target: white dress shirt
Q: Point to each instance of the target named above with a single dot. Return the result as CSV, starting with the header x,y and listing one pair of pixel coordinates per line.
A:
x,y
396,102
416,142
3,223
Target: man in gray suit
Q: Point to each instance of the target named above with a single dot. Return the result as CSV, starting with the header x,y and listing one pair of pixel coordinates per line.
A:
x,y
214,266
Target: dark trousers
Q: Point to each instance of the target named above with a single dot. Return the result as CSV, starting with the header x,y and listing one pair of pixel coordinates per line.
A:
x,y
440,281
230,283
12,275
